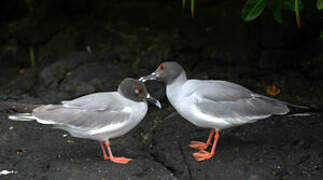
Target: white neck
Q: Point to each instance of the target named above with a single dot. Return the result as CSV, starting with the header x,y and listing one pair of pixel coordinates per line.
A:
x,y
173,89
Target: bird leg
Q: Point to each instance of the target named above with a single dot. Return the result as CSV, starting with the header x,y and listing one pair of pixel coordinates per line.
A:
x,y
204,155
201,145
121,160
105,156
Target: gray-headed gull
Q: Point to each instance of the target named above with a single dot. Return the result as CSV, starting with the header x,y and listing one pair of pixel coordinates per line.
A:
x,y
213,104
98,116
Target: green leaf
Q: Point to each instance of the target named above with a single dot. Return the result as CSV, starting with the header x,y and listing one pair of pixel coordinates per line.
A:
x,y
276,8
290,4
192,8
252,9
298,19
321,33
319,4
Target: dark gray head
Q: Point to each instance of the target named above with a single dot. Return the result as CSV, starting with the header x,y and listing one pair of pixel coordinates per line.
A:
x,y
166,72
136,91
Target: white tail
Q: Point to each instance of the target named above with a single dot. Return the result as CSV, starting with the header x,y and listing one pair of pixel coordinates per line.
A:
x,y
22,117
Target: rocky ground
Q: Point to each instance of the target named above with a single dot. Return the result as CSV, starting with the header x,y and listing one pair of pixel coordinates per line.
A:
x,y
92,52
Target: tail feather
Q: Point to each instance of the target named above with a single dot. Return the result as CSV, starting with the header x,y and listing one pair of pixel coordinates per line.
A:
x,y
297,106
292,110
281,102
22,117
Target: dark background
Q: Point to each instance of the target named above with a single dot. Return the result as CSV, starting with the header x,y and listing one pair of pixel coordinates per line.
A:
x,y
83,46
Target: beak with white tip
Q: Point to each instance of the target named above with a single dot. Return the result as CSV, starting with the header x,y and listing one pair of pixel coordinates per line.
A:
x,y
153,101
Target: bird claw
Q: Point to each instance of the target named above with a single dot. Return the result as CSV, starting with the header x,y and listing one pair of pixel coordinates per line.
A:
x,y
106,157
198,145
202,155
120,160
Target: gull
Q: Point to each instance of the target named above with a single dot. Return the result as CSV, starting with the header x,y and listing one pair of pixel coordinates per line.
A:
x,y
98,116
213,104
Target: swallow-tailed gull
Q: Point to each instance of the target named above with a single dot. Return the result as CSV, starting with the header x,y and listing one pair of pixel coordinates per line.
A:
x,y
213,104
98,116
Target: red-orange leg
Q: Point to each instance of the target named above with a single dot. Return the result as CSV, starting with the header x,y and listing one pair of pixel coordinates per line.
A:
x,y
201,145
121,160
204,155
105,156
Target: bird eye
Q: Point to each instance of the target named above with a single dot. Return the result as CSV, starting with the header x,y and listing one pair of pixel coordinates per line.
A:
x,y
137,91
162,66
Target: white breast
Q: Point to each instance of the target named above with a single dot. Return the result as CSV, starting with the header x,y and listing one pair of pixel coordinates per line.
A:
x,y
186,107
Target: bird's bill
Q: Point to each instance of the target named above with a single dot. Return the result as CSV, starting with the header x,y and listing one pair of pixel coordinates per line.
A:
x,y
152,76
154,101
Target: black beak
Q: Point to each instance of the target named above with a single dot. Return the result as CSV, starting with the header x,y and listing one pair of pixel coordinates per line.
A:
x,y
154,101
152,76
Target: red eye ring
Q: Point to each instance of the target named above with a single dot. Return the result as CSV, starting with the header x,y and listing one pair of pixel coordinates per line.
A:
x,y
162,66
137,91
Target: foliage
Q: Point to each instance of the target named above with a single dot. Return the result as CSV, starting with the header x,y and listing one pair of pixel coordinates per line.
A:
x,y
253,8
276,11
319,4
192,6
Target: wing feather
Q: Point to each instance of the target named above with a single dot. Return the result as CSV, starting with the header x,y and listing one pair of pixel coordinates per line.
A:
x,y
95,102
80,118
232,102
89,112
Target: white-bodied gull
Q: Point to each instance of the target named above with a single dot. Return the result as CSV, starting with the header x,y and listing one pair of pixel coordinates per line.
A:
x,y
213,104
98,116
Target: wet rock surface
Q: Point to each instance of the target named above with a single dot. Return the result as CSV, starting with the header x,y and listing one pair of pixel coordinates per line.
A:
x,y
93,51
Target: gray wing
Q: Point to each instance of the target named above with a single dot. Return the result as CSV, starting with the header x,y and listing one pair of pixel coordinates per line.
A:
x,y
217,90
96,101
87,112
78,118
233,102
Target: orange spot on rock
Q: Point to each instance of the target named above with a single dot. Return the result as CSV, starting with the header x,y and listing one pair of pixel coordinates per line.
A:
x,y
21,71
272,90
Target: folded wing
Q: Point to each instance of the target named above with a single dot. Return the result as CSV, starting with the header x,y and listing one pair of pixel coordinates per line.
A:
x,y
86,113
232,102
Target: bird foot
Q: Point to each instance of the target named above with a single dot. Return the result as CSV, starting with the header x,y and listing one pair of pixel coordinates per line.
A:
x,y
198,145
120,160
202,155
106,157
